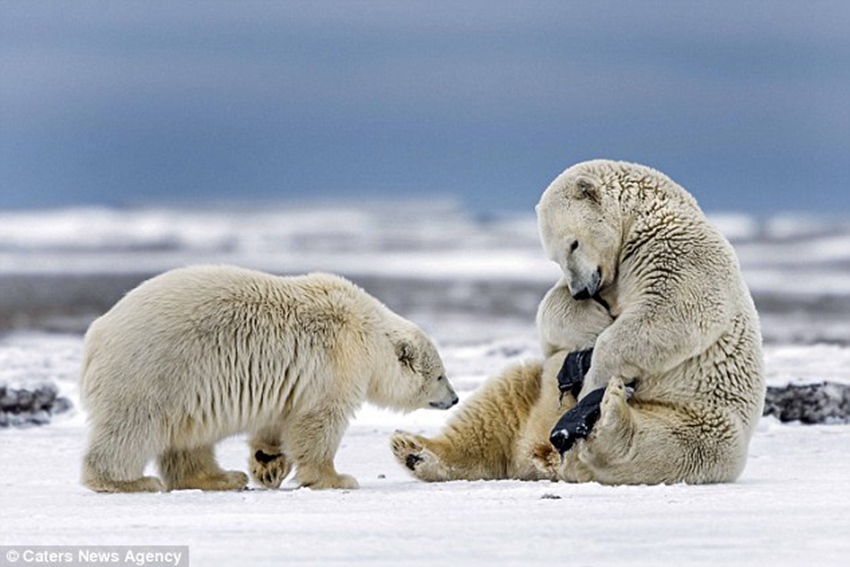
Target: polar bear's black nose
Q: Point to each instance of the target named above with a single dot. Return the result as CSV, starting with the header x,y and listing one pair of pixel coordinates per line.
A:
x,y
581,294
444,405
591,288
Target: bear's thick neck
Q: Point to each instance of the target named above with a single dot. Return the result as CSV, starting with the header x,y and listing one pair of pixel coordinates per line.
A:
x,y
651,212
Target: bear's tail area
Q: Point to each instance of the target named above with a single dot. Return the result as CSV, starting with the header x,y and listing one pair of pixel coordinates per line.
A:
x,y
85,370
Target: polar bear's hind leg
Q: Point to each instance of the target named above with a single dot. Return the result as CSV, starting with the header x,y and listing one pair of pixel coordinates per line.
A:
x,y
118,467
640,443
419,457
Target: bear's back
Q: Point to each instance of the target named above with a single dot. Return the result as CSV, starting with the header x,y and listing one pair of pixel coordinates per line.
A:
x,y
225,344
216,314
213,299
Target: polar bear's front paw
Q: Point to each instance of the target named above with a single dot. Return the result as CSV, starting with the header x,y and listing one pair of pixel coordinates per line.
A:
x,y
268,470
216,481
408,449
612,438
613,404
546,459
413,453
615,428
230,480
339,481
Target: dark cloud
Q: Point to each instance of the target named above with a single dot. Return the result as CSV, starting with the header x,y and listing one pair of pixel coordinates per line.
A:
x,y
112,102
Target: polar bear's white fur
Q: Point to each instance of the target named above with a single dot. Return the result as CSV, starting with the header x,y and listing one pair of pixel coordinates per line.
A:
x,y
657,292
198,354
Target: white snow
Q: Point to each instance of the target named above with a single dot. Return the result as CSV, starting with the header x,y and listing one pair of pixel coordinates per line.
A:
x,y
790,507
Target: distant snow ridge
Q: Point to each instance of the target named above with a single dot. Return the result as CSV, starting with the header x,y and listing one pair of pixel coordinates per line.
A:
x,y
27,406
825,402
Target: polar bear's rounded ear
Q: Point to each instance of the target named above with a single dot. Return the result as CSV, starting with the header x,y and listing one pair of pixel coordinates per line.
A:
x,y
586,189
405,352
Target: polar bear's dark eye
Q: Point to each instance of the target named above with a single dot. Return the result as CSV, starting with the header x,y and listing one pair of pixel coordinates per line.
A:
x,y
574,246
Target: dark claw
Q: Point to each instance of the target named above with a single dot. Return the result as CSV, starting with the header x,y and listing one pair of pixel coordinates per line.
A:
x,y
577,423
571,376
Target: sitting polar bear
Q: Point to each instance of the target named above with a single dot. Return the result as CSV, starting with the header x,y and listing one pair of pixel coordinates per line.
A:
x,y
198,354
657,293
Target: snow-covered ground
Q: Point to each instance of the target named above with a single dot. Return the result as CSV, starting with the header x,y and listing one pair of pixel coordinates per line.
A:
x,y
790,507
473,285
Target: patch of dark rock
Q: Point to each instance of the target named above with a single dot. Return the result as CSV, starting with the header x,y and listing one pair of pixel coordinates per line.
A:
x,y
824,402
26,407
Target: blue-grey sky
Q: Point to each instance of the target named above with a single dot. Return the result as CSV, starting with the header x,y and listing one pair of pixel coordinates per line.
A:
x,y
747,104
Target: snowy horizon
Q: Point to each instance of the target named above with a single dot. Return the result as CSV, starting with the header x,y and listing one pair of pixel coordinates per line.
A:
x,y
456,264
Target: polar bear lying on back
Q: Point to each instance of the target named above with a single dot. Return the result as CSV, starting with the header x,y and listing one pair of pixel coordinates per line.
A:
x,y
655,290
202,353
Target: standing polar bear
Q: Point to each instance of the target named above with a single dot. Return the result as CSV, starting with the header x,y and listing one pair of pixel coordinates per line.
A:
x,y
656,292
202,353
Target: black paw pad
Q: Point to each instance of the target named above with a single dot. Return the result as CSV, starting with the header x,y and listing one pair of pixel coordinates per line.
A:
x,y
413,460
571,376
577,423
264,458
